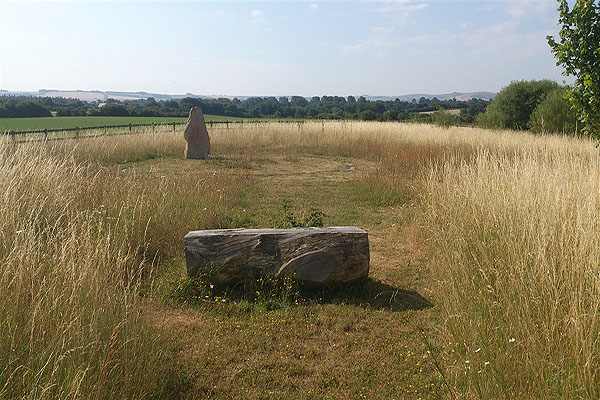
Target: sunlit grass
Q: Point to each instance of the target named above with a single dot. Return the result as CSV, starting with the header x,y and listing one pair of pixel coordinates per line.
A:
x,y
516,252
91,243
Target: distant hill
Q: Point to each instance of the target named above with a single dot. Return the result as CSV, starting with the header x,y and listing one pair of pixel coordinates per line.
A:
x,y
97,95
454,95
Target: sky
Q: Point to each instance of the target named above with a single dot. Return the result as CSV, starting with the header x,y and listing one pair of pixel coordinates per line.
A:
x,y
276,47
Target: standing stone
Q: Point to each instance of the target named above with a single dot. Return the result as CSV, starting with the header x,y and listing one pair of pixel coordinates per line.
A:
x,y
196,136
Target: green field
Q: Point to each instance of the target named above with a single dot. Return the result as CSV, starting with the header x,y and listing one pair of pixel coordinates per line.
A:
x,y
25,124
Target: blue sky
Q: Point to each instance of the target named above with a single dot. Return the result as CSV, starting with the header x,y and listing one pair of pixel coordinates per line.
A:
x,y
275,48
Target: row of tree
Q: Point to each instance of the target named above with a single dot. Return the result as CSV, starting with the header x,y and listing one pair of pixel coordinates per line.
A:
x,y
22,107
541,106
326,107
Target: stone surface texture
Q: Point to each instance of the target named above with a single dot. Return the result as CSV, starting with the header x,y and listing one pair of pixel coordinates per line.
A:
x,y
316,256
196,136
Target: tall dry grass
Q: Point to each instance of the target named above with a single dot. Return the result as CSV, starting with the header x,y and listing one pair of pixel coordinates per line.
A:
x,y
78,239
82,224
515,242
512,220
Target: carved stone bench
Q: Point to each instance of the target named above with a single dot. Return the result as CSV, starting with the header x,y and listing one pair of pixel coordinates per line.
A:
x,y
316,256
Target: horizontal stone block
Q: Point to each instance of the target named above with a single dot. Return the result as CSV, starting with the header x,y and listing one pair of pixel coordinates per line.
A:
x,y
315,256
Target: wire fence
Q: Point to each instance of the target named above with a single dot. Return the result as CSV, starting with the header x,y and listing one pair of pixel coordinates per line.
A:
x,y
103,130
35,135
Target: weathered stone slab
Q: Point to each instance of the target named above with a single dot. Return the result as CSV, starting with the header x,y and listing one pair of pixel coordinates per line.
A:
x,y
196,136
317,256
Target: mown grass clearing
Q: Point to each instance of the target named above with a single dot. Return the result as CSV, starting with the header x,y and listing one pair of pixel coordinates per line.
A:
x,y
312,350
483,283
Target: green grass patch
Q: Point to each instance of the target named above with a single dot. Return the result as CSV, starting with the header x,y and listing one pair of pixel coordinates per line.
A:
x,y
24,124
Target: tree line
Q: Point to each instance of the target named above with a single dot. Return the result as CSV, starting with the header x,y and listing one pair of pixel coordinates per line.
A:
x,y
22,107
539,106
297,107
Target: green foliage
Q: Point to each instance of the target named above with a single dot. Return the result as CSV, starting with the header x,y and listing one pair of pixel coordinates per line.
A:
x,y
553,115
443,118
474,108
390,115
264,293
513,106
578,51
110,109
287,219
367,115
326,107
190,291
15,108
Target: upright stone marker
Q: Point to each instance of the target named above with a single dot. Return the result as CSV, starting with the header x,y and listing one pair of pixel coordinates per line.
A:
x,y
315,256
196,136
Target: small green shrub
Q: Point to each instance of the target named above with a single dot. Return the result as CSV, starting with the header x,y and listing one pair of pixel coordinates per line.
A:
x,y
553,115
287,219
514,104
443,118
265,293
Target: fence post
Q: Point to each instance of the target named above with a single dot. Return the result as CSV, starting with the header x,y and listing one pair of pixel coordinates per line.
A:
x,y
77,132
130,127
46,134
173,127
153,127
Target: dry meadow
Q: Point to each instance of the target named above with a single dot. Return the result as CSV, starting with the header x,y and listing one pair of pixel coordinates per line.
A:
x,y
484,282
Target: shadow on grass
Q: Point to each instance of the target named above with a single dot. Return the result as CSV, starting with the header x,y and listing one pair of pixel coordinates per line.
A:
x,y
272,293
370,293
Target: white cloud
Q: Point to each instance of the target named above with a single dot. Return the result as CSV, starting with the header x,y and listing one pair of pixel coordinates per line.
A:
x,y
500,28
259,19
353,48
401,6
376,44
522,9
313,7
399,11
382,29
